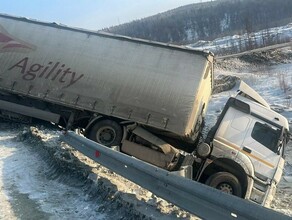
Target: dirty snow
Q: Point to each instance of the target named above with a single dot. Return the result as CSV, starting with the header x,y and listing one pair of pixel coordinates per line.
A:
x,y
31,188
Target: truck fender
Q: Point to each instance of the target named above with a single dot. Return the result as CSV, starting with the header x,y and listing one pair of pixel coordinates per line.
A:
x,y
91,122
221,151
241,160
248,167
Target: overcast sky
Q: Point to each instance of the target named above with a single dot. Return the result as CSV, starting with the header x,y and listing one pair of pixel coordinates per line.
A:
x,y
89,14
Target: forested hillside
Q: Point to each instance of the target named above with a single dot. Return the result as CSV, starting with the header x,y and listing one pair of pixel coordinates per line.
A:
x,y
209,20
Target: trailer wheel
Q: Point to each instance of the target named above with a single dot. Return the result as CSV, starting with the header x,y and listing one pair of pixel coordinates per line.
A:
x,y
225,182
106,132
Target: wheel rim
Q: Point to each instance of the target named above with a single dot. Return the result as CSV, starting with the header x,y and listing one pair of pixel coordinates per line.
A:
x,y
225,187
106,135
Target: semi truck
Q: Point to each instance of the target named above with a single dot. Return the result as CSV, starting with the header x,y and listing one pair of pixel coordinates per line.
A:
x,y
146,99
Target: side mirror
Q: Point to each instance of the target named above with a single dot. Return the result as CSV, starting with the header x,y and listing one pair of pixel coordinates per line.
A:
x,y
280,145
289,136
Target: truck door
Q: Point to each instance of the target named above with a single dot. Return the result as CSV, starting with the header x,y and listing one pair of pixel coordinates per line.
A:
x,y
261,145
231,133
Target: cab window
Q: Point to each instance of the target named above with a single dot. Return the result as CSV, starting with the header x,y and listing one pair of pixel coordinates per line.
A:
x,y
266,135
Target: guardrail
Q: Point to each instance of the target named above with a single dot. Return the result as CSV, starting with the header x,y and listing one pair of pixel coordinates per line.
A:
x,y
271,47
196,198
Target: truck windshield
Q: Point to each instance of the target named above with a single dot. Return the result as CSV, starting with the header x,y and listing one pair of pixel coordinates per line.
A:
x,y
266,135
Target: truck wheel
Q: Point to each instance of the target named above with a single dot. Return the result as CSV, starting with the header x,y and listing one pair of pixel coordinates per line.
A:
x,y
225,182
106,132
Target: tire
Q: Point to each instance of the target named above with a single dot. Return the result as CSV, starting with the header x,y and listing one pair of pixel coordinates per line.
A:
x,y
106,132
225,182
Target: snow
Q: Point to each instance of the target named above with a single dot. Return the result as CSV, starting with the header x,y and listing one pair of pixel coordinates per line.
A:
x,y
189,33
225,23
281,34
28,184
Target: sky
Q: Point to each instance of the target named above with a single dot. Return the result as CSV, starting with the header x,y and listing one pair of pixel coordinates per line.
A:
x,y
89,14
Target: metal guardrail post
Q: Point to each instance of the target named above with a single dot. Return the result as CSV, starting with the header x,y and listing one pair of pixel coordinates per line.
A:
x,y
198,199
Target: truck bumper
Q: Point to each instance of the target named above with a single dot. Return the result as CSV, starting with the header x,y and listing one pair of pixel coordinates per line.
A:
x,y
263,195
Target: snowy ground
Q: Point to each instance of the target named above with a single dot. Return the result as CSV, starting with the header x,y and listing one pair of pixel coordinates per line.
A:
x,y
42,179
33,189
219,45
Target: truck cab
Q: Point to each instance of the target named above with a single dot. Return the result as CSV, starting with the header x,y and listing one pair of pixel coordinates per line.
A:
x,y
248,143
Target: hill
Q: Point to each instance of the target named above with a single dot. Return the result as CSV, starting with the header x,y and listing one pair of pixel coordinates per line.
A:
x,y
209,20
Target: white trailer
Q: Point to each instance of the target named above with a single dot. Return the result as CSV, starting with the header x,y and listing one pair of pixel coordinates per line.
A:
x,y
160,86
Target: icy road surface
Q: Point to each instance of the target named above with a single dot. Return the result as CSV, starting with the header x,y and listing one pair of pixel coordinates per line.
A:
x,y
29,189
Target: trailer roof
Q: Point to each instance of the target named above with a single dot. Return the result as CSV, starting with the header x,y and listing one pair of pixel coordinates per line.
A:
x,y
109,35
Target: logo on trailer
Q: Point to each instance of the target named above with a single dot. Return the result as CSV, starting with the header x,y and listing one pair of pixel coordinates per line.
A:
x,y
29,68
8,43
